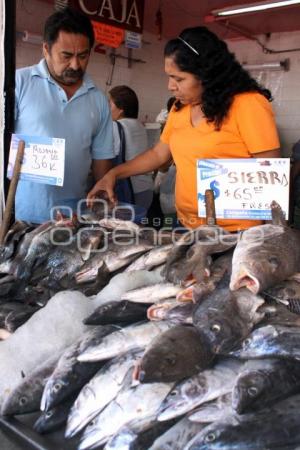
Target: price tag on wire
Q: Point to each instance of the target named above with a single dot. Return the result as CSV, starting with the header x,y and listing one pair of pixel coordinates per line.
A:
x,y
44,159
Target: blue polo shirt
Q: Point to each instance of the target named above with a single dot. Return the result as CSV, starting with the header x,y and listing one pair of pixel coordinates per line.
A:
x,y
84,121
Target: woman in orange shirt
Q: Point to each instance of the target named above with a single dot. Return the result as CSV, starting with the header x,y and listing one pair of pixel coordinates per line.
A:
x,y
220,112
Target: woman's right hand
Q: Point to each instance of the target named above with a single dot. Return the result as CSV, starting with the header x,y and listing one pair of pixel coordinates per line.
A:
x,y
104,188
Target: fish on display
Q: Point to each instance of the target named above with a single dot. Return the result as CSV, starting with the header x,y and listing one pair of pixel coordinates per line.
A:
x,y
177,436
262,382
176,312
287,292
134,336
226,317
135,407
265,255
53,419
276,427
214,410
126,439
278,314
26,396
152,294
122,312
69,374
270,341
179,352
12,239
100,391
153,258
114,258
119,224
36,245
198,389
14,314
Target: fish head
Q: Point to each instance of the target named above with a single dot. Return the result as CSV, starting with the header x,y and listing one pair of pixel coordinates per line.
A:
x,y
181,398
18,402
247,390
51,392
158,364
44,421
257,261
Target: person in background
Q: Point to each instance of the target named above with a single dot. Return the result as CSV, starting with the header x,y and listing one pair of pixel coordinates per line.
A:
x,y
130,138
56,98
220,112
295,186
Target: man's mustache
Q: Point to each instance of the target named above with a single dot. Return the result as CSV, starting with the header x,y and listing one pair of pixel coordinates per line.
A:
x,y
74,73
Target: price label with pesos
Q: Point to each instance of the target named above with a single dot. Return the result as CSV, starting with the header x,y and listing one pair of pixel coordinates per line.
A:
x,y
44,159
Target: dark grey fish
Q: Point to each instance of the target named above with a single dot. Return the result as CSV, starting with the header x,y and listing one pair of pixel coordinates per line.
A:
x,y
226,318
122,312
278,314
179,352
53,419
270,341
14,314
276,427
70,375
263,382
26,397
12,239
265,255
190,255
287,292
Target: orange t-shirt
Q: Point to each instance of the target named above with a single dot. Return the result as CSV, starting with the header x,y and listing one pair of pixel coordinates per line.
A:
x,y
248,129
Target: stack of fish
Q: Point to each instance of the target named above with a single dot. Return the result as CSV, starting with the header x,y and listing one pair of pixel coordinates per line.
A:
x,y
208,358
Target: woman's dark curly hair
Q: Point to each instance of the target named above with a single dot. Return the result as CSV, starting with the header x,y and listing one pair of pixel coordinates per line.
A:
x,y
221,75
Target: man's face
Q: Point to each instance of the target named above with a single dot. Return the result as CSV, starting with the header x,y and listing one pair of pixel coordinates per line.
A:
x,y
68,58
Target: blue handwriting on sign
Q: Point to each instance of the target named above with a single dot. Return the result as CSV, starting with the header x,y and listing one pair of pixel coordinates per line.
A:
x,y
214,186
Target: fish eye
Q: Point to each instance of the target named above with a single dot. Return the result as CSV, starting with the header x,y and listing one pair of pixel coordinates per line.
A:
x,y
175,392
56,387
216,328
252,391
23,401
171,360
49,414
246,342
210,437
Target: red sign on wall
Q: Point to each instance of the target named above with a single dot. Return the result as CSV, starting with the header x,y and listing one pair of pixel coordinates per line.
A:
x,y
125,14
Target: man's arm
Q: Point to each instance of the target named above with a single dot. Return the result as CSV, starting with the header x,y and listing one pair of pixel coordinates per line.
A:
x,y
100,167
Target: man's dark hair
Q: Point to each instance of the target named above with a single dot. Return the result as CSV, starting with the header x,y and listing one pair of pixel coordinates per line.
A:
x,y
126,99
70,21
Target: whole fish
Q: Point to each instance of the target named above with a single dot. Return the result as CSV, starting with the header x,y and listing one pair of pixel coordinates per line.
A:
x,y
115,257
36,244
276,427
26,396
119,224
225,317
198,389
153,258
122,312
262,382
124,340
100,391
214,410
135,407
270,341
69,374
286,292
152,294
177,353
266,255
53,419
177,436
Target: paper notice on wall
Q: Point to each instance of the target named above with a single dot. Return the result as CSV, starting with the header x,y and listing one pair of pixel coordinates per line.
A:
x,y
107,34
133,40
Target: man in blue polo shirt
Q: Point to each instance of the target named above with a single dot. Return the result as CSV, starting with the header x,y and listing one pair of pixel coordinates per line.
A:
x,y
56,98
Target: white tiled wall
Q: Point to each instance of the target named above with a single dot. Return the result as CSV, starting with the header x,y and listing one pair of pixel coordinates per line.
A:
x,y
150,82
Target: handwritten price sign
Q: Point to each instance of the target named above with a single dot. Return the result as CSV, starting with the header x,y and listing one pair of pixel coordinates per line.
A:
x,y
44,159
244,188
